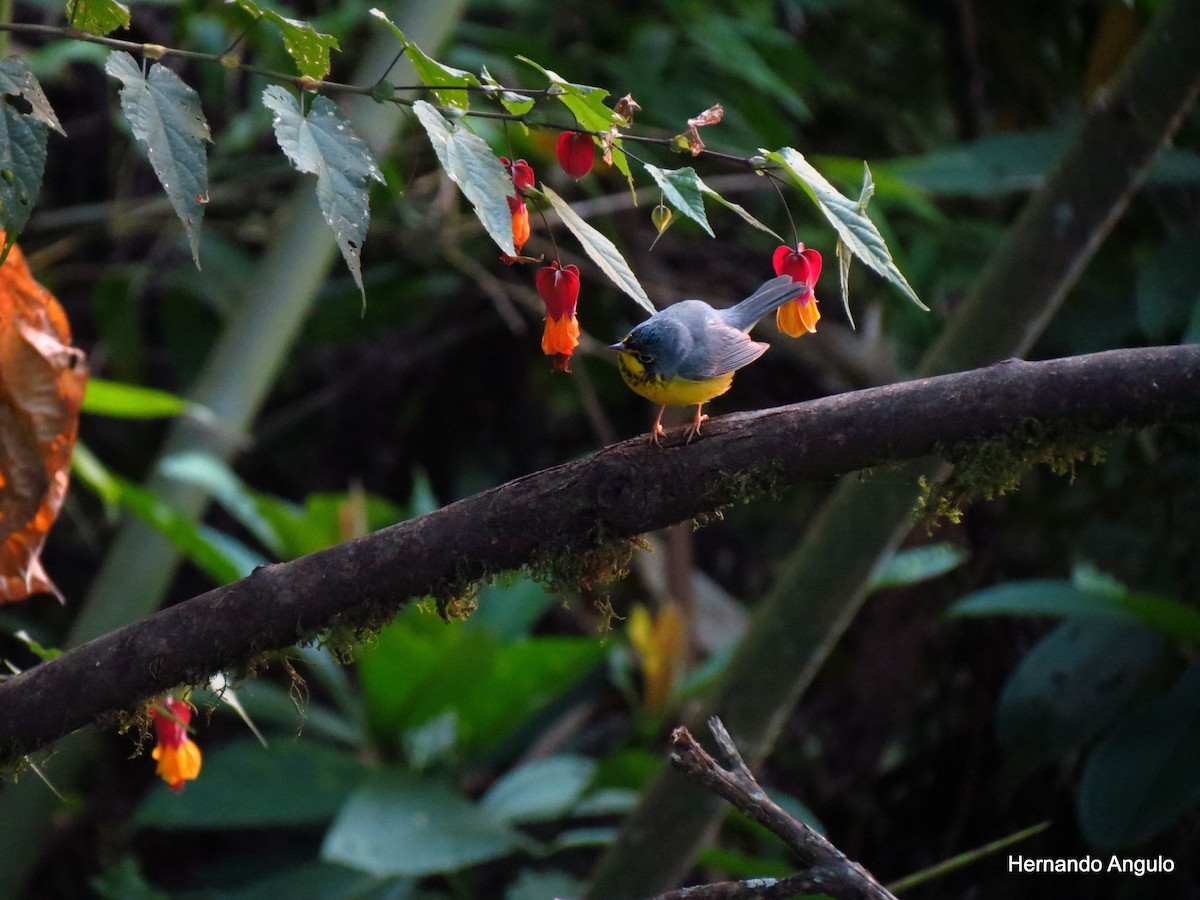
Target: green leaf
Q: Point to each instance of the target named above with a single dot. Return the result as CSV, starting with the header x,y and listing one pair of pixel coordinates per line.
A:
x,y
517,104
167,120
915,565
844,256
132,401
41,652
402,825
539,884
728,50
851,223
418,668
321,521
322,143
539,791
682,188
97,16
1141,776
471,164
601,250
432,73
219,480
22,165
1069,688
1037,597
246,785
1167,292
307,47
586,104
168,521
329,881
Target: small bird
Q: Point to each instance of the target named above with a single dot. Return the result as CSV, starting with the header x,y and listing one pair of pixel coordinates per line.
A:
x,y
688,352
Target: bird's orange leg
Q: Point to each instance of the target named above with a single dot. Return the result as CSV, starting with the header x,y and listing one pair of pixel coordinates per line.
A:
x,y
657,433
694,428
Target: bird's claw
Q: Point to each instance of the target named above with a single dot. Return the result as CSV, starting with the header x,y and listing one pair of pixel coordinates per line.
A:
x,y
694,428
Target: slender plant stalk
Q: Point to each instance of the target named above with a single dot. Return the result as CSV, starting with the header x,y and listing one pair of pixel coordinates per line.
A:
x,y
821,586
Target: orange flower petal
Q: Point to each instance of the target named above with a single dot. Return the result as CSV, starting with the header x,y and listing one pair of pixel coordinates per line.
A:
x,y
561,336
177,764
795,318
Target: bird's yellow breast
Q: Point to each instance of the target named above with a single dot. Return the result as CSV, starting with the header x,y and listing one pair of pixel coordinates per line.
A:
x,y
673,391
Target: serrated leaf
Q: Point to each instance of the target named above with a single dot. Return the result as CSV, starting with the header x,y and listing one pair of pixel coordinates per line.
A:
x,y
22,164
97,16
16,79
471,164
322,143
307,47
433,74
601,250
851,223
682,189
166,119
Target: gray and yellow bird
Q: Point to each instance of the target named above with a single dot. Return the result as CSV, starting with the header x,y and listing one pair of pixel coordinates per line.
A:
x,y
688,352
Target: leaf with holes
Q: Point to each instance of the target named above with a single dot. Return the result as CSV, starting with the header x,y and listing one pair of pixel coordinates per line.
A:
x,y
472,165
602,251
97,16
166,119
23,137
307,47
682,189
854,228
322,143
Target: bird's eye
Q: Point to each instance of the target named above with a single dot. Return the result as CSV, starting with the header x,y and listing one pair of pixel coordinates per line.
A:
x,y
643,357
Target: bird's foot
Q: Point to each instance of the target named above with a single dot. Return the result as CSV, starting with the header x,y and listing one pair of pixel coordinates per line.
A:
x,y
657,433
694,428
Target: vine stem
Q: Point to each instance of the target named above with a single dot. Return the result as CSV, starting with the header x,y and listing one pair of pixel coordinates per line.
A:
x,y
313,85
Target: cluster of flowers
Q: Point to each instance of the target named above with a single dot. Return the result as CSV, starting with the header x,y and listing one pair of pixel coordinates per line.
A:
x,y
559,285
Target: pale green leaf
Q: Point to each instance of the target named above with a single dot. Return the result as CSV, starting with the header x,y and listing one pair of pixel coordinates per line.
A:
x,y
845,257
517,104
433,74
307,47
682,189
541,790
851,223
470,163
97,16
601,250
166,119
322,143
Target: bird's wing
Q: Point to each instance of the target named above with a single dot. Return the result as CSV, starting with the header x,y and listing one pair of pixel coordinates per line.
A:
x,y
719,351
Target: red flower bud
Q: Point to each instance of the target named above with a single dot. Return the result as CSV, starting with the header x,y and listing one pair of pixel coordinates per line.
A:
x,y
576,152
520,172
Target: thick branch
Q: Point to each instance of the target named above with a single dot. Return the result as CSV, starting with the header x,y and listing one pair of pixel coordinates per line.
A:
x,y
618,492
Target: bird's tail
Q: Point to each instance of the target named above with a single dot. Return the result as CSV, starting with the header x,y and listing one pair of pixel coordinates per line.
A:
x,y
768,298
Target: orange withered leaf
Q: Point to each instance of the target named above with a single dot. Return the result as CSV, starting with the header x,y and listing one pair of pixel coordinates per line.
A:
x,y
42,378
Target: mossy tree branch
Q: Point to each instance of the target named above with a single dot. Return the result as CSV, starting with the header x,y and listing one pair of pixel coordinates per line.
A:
x,y
562,514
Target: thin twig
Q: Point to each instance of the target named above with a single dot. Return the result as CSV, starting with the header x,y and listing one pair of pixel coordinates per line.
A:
x,y
826,869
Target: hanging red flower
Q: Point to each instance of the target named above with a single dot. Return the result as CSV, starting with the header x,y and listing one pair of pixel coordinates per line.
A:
x,y
559,287
576,153
177,755
798,316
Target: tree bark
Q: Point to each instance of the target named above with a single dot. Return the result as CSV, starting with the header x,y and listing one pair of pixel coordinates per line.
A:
x,y
567,512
